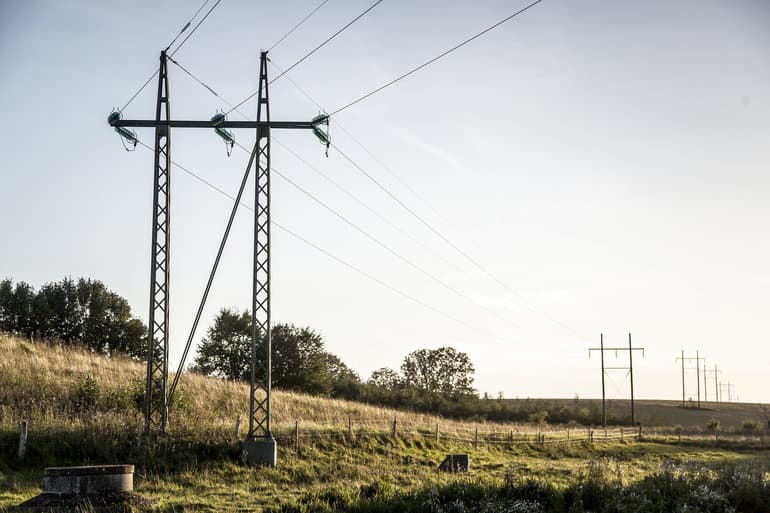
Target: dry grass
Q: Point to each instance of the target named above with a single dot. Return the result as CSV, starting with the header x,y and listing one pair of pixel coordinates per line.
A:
x,y
41,381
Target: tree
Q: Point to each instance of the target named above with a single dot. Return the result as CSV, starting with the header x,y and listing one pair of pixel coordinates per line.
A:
x,y
386,378
299,359
84,312
226,350
444,371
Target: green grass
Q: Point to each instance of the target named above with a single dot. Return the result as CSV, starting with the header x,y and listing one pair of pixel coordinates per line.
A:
x,y
661,413
82,410
403,465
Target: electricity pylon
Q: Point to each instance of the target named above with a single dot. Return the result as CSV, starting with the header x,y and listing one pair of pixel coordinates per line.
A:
x,y
630,370
259,446
697,359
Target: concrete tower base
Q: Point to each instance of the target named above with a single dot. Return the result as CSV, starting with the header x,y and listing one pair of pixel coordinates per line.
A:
x,y
261,451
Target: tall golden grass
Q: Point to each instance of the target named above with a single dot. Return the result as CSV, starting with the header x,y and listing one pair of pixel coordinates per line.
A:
x,y
43,382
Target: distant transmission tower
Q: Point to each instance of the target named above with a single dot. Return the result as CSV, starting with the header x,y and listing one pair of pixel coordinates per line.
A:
x,y
630,370
683,359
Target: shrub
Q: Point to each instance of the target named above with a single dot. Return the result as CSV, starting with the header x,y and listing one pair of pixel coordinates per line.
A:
x,y
86,394
751,426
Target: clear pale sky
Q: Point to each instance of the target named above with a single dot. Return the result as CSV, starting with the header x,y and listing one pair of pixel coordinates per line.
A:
x,y
606,160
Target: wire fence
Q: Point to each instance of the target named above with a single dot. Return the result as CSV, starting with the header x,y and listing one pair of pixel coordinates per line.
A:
x,y
43,439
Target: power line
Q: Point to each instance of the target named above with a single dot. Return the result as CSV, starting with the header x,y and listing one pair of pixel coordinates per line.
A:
x,y
138,91
368,207
142,88
322,174
448,241
424,222
187,25
413,213
195,28
337,258
384,246
311,52
339,125
303,20
434,59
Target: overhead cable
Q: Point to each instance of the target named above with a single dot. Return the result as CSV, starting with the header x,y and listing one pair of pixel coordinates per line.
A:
x,y
311,52
444,238
187,25
434,59
385,246
298,25
177,48
474,327
195,28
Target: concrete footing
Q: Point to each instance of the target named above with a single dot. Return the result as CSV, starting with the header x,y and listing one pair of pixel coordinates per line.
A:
x,y
261,451
98,487
89,480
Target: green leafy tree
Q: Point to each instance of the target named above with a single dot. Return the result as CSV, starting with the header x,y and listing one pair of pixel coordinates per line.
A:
x,y
85,312
444,371
299,359
385,378
225,352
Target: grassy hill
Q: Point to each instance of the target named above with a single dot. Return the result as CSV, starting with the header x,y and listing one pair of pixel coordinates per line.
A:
x,y
82,409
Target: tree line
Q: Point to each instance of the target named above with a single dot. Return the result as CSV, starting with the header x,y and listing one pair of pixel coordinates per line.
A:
x,y
86,313
80,312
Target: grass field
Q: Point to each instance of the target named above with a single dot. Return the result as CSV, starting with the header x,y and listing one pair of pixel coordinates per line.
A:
x,y
660,413
81,409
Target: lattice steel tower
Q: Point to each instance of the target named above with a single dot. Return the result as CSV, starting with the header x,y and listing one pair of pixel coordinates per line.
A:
x,y
260,444
156,390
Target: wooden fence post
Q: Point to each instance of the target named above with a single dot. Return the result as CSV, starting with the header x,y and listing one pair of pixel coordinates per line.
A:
x,y
394,432
437,435
138,433
296,436
476,439
510,437
640,431
568,435
350,428
621,434
237,431
22,439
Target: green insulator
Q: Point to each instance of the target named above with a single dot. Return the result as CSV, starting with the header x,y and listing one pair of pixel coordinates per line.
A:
x,y
126,134
226,135
321,119
322,136
218,118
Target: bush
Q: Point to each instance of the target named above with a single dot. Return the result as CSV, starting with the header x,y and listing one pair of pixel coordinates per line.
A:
x,y
86,394
751,426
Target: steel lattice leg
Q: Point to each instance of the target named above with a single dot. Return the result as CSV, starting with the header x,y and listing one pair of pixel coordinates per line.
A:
x,y
260,446
156,407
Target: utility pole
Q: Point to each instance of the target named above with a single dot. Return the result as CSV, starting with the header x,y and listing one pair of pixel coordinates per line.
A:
x,y
630,370
697,359
727,385
706,372
259,446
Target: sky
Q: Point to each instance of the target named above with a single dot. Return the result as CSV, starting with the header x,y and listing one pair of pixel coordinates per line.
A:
x,y
606,163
